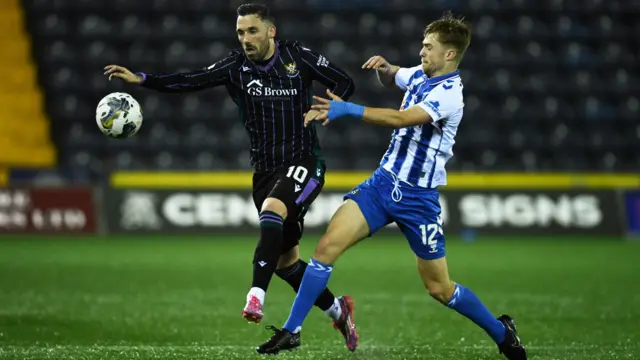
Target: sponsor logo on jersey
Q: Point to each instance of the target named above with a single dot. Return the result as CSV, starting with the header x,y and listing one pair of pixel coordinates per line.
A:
x,y
256,89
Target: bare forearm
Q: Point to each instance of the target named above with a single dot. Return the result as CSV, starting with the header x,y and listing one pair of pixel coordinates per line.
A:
x,y
396,119
387,77
383,117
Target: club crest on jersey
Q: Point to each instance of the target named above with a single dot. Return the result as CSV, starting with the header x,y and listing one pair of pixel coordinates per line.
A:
x,y
292,69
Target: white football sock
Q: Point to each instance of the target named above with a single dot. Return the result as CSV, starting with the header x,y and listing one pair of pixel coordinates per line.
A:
x,y
334,311
257,292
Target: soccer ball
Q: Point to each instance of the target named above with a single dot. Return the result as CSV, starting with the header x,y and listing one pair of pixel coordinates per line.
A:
x,y
119,115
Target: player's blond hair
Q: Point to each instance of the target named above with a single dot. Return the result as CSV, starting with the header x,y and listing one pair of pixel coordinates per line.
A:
x,y
451,31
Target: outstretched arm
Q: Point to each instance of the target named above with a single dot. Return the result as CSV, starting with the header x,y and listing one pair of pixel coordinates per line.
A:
x,y
214,75
335,108
396,119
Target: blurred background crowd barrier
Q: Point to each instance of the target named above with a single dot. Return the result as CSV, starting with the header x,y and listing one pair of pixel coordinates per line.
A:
x,y
549,142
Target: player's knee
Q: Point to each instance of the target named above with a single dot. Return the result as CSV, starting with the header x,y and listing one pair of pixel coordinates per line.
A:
x,y
330,247
276,206
441,292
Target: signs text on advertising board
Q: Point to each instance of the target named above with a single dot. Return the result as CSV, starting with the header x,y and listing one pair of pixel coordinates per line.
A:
x,y
53,210
487,212
530,210
552,212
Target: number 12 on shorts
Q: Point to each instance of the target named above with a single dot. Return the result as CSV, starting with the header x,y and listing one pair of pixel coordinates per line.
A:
x,y
429,233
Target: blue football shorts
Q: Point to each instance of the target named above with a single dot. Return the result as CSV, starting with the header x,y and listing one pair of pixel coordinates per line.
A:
x,y
384,199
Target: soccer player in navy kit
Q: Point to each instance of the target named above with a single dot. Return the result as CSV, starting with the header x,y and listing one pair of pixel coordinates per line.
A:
x,y
270,81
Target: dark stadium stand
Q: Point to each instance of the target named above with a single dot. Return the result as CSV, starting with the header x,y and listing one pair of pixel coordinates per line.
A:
x,y
546,90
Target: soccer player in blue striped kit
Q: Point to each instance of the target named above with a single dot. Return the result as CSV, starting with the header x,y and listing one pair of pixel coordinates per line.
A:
x,y
404,188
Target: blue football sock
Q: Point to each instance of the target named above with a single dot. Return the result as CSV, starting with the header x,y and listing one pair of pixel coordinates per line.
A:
x,y
314,282
465,302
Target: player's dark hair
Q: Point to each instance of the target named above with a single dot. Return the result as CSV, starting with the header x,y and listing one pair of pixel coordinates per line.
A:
x,y
451,31
259,10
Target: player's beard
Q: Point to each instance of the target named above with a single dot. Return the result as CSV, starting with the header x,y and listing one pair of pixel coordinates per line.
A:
x,y
259,51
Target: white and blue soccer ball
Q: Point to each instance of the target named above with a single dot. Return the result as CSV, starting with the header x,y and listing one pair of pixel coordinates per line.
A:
x,y
119,115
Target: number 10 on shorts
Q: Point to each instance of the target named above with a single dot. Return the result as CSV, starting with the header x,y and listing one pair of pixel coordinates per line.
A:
x,y
429,233
299,173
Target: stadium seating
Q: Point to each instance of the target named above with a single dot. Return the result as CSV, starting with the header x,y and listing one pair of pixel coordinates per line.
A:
x,y
24,140
550,85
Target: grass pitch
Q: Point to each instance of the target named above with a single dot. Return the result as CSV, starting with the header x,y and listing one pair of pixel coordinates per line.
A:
x,y
181,298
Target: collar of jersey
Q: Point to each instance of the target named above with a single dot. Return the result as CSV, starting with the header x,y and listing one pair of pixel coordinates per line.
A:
x,y
437,79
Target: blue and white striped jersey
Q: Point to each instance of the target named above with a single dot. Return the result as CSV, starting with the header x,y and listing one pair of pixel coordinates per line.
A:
x,y
417,155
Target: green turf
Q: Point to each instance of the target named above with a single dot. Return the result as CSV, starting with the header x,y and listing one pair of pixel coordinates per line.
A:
x,y
181,299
